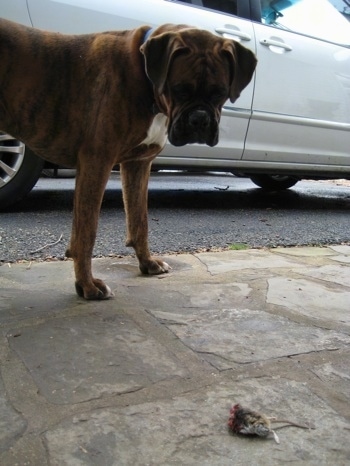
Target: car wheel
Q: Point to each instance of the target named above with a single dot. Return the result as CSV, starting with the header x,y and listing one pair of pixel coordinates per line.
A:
x,y
18,172
274,182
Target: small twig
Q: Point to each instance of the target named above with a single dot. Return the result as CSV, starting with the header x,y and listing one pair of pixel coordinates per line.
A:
x,y
47,245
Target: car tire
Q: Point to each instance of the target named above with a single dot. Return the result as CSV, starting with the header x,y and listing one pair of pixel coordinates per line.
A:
x,y
20,169
274,182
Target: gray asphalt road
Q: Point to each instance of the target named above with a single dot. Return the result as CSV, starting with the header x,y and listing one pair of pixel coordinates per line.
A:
x,y
187,212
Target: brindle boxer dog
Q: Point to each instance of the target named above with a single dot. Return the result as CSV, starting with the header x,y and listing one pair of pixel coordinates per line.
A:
x,y
93,101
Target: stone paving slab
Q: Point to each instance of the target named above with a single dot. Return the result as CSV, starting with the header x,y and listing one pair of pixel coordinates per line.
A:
x,y
309,298
192,429
148,377
339,274
229,261
85,357
231,336
12,424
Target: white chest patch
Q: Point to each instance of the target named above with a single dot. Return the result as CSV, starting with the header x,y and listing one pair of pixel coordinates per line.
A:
x,y
157,132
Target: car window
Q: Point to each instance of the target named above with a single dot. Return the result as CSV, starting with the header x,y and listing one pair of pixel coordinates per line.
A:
x,y
324,19
224,6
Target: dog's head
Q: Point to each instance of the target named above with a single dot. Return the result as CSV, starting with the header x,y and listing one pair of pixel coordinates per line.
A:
x,y
193,73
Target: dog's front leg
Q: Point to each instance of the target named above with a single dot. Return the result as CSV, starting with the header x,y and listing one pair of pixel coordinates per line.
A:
x,y
91,181
135,177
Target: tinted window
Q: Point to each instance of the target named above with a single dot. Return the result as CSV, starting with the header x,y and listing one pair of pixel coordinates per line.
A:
x,y
224,6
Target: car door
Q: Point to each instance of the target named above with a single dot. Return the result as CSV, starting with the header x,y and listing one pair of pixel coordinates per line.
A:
x,y
81,16
218,18
15,10
301,108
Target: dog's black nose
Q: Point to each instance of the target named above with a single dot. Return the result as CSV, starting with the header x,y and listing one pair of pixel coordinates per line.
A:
x,y
199,120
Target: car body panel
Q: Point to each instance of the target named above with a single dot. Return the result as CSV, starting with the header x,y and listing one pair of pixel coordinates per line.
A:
x,y
15,10
294,116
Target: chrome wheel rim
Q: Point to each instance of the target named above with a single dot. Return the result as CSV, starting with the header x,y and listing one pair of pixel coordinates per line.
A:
x,y
11,157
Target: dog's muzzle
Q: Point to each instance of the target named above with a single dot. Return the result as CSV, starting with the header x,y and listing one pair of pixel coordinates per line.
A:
x,y
197,125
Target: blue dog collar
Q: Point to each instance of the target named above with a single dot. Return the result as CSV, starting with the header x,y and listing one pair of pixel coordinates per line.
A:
x,y
146,36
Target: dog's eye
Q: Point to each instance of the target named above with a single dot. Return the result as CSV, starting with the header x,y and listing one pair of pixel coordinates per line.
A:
x,y
217,95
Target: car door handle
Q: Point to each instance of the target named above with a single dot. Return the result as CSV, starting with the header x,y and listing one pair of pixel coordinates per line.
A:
x,y
233,31
276,43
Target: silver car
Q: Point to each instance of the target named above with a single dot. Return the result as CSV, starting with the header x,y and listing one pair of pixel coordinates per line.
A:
x,y
291,122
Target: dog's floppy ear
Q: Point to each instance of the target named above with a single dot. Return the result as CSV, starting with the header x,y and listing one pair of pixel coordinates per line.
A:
x,y
159,53
243,63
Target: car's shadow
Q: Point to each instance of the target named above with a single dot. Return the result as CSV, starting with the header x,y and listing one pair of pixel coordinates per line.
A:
x,y
218,198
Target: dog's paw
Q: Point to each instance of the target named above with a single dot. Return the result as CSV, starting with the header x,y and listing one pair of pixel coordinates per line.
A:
x,y
154,267
96,290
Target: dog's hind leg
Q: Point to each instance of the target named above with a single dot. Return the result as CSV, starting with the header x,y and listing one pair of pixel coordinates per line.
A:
x,y
91,181
135,177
